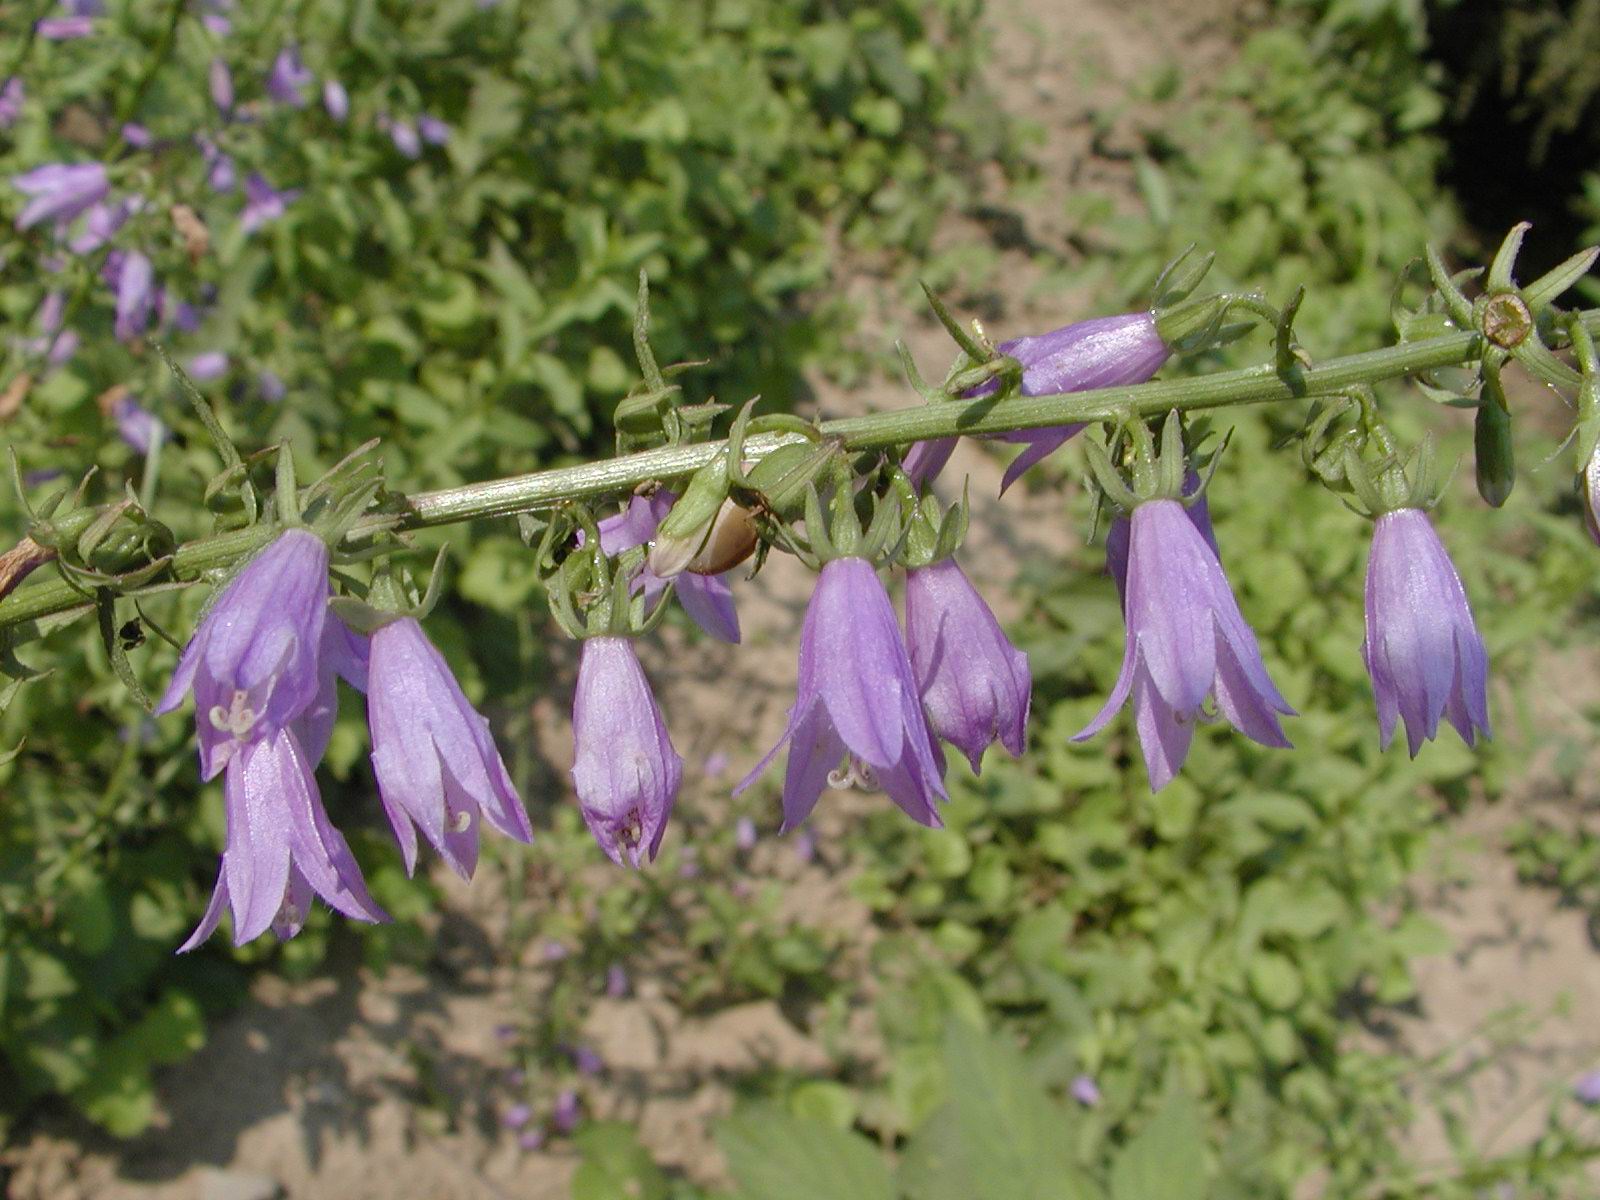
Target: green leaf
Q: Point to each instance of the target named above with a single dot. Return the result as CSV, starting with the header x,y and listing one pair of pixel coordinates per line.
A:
x,y
1274,980
775,1156
1164,1160
1013,1140
615,1164
172,1030
118,1093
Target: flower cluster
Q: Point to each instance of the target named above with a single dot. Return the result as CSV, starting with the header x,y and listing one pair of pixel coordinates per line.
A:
x,y
263,668
877,697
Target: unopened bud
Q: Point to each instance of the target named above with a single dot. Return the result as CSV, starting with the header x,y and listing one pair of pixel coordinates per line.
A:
x,y
683,532
1493,452
782,477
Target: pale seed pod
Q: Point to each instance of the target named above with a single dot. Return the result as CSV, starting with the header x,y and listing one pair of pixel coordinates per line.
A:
x,y
731,540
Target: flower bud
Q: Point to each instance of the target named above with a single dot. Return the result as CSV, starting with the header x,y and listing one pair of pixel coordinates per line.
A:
x,y
1493,452
684,531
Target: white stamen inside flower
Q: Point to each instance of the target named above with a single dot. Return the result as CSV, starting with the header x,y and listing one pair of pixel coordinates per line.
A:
x,y
238,718
289,918
854,774
461,822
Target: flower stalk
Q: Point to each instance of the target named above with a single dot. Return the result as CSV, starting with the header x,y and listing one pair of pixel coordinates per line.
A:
x,y
1263,384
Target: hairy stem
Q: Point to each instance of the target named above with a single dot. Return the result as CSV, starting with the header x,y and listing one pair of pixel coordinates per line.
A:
x,y
544,489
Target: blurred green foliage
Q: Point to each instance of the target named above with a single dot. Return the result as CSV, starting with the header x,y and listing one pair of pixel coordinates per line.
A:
x,y
471,306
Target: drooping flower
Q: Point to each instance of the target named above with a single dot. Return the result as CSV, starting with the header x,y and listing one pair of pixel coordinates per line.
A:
x,y
252,663
1587,1089
212,364
567,1111
745,834
404,136
975,684
341,654
100,224
221,79
432,130
271,387
137,135
1100,352
135,282
586,1060
60,191
435,759
12,97
624,769
137,425
263,202
1085,1090
856,693
215,22
281,848
1199,511
63,29
289,77
185,316
221,175
335,99
1422,649
708,599
56,344
1186,641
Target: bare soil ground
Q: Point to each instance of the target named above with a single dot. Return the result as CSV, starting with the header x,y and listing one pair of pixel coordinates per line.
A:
x,y
334,1088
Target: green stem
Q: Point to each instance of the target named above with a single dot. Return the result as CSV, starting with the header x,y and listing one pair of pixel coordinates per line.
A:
x,y
544,489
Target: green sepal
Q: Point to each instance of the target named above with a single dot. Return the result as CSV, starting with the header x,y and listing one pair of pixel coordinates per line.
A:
x,y
1002,367
817,525
1105,475
1502,271
976,349
1360,480
1456,304
643,414
287,495
648,367
1172,461
1542,292
891,519
845,531
914,376
1180,277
